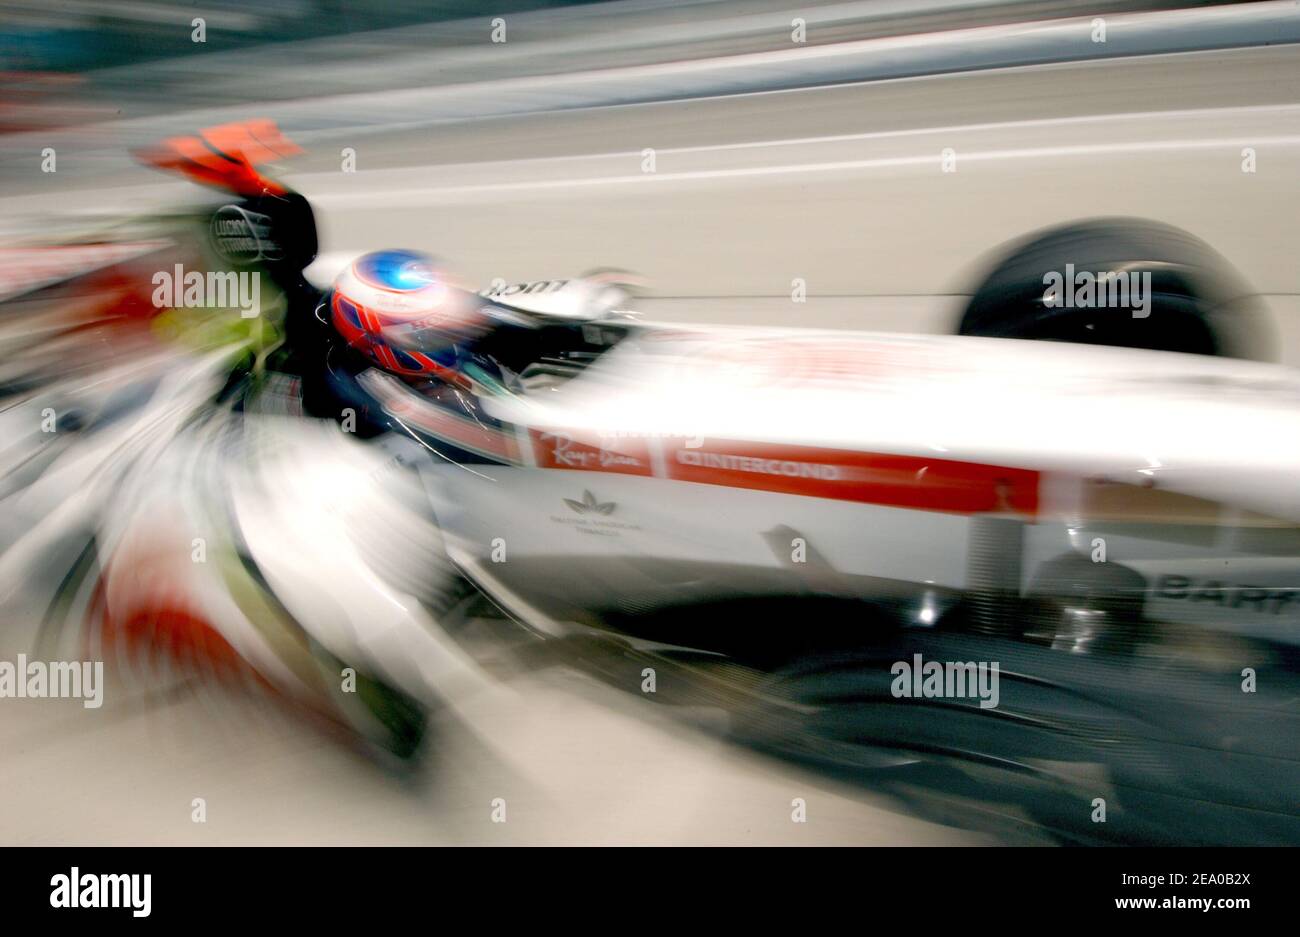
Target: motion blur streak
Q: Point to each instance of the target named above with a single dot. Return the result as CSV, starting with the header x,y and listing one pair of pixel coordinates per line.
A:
x,y
639,422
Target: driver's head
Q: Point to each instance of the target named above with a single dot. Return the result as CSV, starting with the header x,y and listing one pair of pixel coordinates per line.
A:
x,y
397,308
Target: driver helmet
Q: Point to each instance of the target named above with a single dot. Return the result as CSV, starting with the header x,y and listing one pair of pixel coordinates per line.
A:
x,y
397,308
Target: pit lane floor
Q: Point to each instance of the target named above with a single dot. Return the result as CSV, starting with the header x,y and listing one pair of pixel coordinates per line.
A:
x,y
575,762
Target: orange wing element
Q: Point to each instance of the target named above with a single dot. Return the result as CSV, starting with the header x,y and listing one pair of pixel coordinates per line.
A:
x,y
225,156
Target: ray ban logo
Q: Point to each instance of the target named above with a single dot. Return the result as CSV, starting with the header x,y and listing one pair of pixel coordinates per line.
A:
x,y
1109,289
178,289
565,452
933,679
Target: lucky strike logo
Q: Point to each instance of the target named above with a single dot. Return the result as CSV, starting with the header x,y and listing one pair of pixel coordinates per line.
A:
x,y
242,236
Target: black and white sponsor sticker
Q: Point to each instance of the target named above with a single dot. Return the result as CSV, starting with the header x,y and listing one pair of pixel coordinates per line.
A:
x,y
242,236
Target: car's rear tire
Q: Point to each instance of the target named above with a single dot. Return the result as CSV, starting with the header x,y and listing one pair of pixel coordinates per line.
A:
x,y
1198,304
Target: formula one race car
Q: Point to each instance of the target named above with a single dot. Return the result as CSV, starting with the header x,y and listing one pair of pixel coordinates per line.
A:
x,y
799,511
625,465
789,513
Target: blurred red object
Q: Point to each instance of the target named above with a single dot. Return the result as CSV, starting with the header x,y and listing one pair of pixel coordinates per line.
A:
x,y
225,156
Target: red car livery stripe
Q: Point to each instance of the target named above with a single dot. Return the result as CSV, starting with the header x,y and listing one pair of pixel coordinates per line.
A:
x,y
560,450
474,436
903,481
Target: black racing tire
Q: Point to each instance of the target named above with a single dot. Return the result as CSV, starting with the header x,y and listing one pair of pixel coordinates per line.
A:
x,y
1198,304
1093,606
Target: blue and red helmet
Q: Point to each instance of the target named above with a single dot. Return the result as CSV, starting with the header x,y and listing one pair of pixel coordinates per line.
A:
x,y
397,308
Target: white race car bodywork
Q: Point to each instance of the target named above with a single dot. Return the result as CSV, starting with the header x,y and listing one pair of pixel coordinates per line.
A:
x,y
744,452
